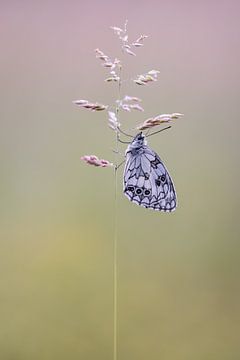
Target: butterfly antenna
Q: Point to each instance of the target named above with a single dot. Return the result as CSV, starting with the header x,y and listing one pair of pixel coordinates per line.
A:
x,y
147,133
156,132
122,132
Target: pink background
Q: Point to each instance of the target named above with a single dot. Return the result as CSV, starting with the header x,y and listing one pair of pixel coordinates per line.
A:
x,y
178,273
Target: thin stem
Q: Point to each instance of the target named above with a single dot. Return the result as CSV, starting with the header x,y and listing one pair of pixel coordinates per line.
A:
x,y
115,271
115,262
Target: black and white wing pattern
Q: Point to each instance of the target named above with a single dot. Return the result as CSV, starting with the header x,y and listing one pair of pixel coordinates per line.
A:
x,y
146,179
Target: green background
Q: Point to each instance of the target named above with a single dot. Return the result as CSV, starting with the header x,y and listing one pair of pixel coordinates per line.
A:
x,y
178,274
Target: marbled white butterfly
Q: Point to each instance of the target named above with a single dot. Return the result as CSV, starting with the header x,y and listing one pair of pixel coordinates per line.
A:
x,y
146,179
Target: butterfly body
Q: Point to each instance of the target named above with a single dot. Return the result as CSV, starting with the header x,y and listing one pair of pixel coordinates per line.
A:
x,y
146,179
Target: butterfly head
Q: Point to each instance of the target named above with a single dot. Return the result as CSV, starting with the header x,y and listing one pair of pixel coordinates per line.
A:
x,y
138,141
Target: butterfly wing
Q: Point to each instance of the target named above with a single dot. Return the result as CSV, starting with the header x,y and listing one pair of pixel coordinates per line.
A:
x,y
147,181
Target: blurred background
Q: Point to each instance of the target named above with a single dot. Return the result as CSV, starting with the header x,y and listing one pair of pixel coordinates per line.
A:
x,y
178,274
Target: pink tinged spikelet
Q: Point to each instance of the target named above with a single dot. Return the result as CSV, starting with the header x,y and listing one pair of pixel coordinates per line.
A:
x,y
137,44
158,120
136,107
141,38
125,103
131,107
129,52
95,161
108,64
113,76
139,41
131,98
90,106
125,107
112,121
144,79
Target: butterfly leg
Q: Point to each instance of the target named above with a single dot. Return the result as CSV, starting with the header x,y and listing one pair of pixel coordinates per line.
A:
x,y
123,142
118,166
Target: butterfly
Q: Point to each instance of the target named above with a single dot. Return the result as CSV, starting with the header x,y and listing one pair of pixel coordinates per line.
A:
x,y
146,180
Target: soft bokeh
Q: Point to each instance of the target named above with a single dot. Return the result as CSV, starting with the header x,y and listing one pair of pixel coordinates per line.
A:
x,y
178,280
